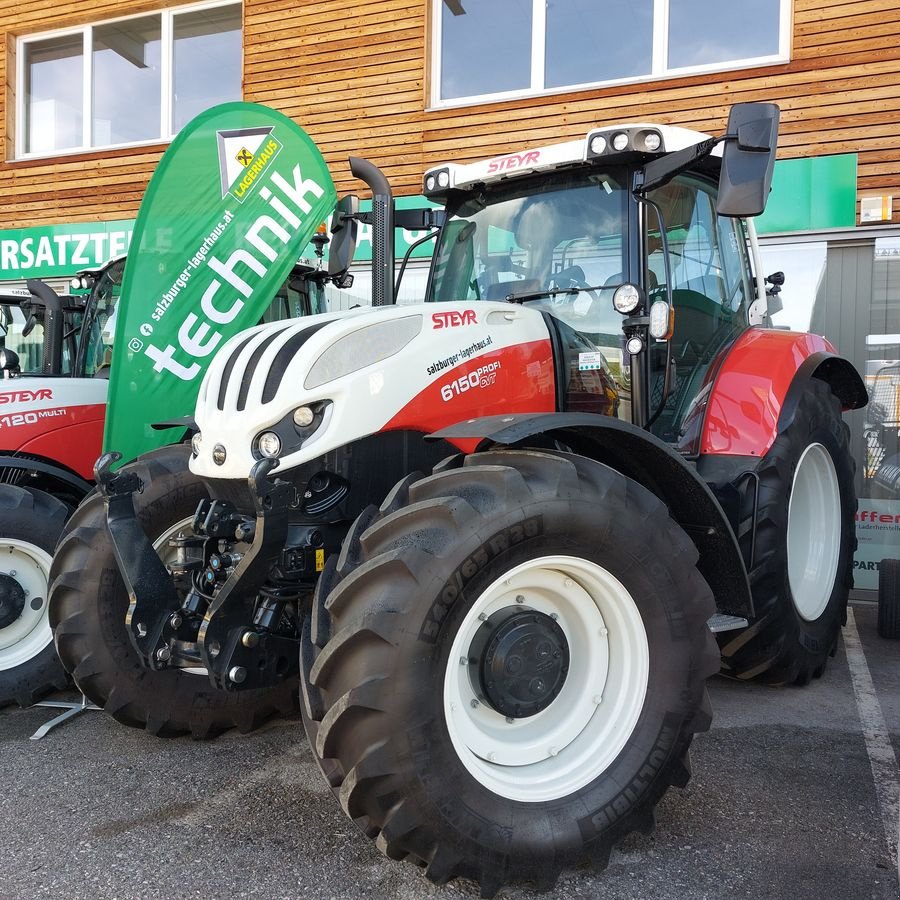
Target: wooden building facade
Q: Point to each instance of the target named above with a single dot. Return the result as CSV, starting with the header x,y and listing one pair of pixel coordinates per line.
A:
x,y
357,75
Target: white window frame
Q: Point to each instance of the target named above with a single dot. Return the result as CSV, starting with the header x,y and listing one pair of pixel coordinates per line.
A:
x,y
659,61
166,111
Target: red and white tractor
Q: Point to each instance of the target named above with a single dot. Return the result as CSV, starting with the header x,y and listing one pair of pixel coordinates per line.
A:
x,y
54,356
502,661
54,359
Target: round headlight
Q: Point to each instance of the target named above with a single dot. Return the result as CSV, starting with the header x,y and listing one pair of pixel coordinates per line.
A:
x,y
303,416
443,179
627,298
269,444
598,144
430,183
652,141
195,444
634,345
620,141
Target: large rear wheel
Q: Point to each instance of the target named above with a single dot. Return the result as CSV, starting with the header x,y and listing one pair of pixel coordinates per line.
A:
x,y
805,537
506,665
88,602
30,525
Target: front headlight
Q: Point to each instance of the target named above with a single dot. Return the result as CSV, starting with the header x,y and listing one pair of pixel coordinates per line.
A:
x,y
269,445
362,348
626,299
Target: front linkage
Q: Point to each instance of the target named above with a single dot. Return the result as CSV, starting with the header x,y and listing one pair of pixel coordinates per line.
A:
x,y
194,612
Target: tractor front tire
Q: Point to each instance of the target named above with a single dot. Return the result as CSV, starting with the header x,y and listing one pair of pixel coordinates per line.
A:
x,y
31,522
805,538
506,665
88,603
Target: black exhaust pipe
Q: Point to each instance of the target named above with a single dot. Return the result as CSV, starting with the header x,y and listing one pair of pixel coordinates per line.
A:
x,y
382,229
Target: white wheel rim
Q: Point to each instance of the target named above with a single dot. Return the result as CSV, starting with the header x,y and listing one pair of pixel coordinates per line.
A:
x,y
30,633
577,737
813,532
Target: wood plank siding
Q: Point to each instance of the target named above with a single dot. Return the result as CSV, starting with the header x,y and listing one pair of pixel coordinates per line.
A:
x,y
354,73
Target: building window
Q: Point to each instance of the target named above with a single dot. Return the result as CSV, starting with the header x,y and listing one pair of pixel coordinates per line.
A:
x,y
491,49
126,81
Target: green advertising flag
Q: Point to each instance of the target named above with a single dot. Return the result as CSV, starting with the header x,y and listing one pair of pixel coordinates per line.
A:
x,y
230,207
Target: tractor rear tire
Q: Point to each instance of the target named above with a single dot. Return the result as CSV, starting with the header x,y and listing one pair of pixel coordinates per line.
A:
x,y
31,522
88,602
506,666
805,538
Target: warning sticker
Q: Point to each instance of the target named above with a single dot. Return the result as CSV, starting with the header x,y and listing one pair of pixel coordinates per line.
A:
x,y
590,360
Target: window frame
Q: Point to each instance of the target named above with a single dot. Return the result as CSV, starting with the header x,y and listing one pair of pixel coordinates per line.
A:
x,y
659,58
167,106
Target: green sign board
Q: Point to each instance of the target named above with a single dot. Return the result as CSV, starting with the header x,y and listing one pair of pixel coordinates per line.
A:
x,y
811,194
60,250
232,202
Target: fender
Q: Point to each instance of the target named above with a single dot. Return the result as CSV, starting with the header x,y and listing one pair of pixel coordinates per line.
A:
x,y
48,469
754,393
641,456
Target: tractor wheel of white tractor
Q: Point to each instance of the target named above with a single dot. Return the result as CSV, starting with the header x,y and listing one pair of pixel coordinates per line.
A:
x,y
31,522
506,665
87,614
805,537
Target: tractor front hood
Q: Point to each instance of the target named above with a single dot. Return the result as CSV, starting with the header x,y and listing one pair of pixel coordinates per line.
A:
x,y
298,390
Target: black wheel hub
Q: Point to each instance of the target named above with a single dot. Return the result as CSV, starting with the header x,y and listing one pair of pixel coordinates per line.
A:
x,y
12,600
518,661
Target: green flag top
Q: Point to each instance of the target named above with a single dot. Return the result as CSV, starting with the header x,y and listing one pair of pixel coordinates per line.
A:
x,y
229,209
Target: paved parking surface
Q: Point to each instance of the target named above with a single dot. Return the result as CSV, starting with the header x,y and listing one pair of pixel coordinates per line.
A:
x,y
791,797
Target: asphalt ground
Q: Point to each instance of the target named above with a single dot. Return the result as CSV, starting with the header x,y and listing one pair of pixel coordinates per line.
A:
x,y
792,796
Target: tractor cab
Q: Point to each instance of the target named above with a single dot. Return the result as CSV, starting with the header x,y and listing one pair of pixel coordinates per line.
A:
x,y
622,243
301,294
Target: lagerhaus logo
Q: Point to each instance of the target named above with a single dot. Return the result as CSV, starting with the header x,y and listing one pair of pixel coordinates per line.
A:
x,y
244,154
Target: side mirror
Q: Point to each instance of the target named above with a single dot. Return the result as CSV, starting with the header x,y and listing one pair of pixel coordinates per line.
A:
x,y
748,159
343,235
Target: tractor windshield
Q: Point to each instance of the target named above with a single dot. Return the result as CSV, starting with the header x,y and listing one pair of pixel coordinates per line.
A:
x,y
23,335
558,244
100,322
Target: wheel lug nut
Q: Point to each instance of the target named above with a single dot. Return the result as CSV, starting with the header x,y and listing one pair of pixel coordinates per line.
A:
x,y
482,617
520,599
237,674
463,660
510,720
473,703
163,654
